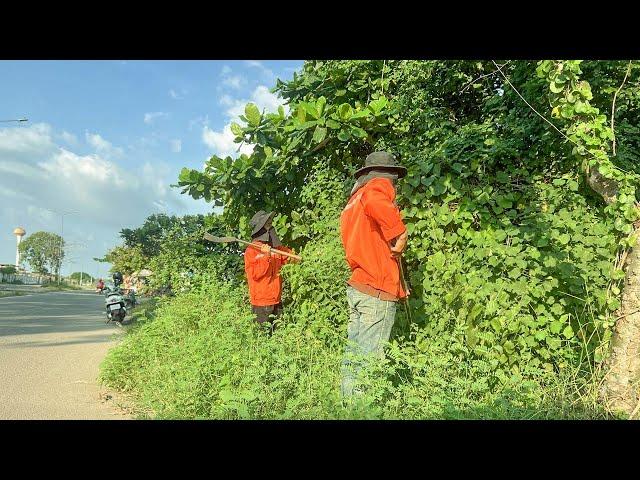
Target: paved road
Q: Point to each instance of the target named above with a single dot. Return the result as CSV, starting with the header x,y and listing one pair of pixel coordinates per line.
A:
x,y
51,345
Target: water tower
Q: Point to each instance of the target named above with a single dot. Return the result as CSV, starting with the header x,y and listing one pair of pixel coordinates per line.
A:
x,y
19,233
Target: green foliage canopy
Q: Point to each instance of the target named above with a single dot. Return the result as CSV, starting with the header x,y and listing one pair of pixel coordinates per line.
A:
x,y
510,254
126,260
43,251
86,278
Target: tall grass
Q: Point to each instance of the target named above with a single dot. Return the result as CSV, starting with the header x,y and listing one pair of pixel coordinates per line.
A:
x,y
199,355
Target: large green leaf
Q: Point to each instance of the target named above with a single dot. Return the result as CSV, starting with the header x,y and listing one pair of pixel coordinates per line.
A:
x,y
252,114
345,111
319,134
311,109
320,104
236,129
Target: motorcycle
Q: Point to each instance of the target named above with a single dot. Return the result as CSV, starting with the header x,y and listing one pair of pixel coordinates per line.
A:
x,y
115,303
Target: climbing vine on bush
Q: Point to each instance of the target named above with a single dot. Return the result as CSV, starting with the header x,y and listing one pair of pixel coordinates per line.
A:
x,y
510,254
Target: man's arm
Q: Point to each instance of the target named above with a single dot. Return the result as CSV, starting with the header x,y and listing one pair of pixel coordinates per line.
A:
x,y
256,265
378,205
398,244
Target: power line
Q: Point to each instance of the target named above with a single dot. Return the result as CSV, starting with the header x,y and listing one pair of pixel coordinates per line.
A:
x,y
548,121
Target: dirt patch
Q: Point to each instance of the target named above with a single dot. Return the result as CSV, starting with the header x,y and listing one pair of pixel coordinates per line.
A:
x,y
122,404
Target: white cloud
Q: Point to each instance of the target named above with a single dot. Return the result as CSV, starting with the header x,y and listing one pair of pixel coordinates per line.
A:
x,y
10,193
97,142
266,72
226,100
198,121
102,146
69,138
151,117
177,96
261,96
236,82
222,142
16,142
236,109
176,146
37,173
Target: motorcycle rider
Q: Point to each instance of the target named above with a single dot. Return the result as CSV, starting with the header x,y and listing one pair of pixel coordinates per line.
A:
x,y
100,286
117,279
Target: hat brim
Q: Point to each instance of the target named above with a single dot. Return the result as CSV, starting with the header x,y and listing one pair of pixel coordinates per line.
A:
x,y
400,170
261,223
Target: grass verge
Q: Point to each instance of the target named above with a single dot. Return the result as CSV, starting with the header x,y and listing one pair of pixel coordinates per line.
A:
x,y
198,355
10,293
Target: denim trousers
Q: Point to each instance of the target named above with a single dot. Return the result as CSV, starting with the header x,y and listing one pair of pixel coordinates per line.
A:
x,y
370,323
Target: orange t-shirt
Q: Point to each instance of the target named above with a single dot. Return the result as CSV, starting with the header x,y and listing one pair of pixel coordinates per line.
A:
x,y
263,275
368,222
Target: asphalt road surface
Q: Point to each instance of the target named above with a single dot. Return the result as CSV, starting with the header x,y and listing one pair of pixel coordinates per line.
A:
x,y
51,345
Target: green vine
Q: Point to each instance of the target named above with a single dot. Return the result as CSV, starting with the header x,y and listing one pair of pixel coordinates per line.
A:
x,y
588,129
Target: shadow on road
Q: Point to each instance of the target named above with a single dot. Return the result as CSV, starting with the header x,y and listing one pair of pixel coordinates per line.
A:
x,y
62,316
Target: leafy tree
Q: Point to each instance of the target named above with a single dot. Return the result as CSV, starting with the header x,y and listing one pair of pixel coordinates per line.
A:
x,y
174,249
512,258
8,270
126,260
155,230
86,278
521,257
43,251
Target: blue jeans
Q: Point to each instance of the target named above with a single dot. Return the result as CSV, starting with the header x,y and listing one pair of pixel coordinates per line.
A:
x,y
370,323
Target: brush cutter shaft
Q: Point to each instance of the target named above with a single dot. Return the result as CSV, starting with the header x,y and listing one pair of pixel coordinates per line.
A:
x,y
405,286
211,238
279,252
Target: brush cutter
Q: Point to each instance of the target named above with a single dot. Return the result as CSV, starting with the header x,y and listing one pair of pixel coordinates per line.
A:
x,y
405,287
211,238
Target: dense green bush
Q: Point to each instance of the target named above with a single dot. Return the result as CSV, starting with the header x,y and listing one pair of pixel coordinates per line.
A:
x,y
511,256
200,356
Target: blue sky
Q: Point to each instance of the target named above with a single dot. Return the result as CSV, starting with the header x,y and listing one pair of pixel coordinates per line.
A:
x,y
106,138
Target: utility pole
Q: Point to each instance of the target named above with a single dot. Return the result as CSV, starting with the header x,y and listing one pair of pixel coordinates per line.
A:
x,y
62,214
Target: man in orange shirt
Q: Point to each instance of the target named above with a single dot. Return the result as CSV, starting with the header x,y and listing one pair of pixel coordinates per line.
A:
x,y
263,268
374,237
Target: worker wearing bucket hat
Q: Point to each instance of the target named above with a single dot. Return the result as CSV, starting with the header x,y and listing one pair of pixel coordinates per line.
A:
x,y
373,236
262,268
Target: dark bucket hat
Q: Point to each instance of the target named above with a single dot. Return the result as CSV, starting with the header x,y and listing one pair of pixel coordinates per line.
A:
x,y
381,161
259,219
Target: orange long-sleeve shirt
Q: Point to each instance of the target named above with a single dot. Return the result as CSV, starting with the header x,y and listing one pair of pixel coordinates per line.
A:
x,y
368,222
263,275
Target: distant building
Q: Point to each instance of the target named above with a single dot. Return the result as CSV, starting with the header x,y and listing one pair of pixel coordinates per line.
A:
x,y
19,233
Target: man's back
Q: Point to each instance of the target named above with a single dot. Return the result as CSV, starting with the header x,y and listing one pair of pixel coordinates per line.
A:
x,y
368,222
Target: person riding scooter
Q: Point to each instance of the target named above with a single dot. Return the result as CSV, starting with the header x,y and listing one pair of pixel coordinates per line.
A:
x,y
100,286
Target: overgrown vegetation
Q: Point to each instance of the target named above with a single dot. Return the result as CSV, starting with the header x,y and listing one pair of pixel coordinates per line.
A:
x,y
512,258
43,251
82,276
